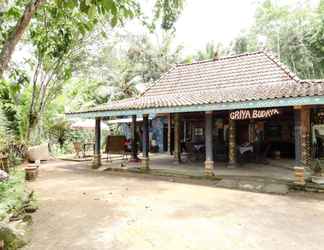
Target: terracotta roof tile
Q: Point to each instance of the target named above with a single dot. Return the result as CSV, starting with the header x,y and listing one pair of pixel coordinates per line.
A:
x,y
246,77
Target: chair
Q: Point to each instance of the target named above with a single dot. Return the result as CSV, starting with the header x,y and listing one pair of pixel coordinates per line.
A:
x,y
188,152
265,153
77,149
115,144
220,151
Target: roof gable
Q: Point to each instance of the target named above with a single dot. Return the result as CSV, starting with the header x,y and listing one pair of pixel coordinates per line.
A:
x,y
246,70
255,79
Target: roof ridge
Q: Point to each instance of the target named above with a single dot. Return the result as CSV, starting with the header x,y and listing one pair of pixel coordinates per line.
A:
x,y
284,67
221,58
312,80
202,91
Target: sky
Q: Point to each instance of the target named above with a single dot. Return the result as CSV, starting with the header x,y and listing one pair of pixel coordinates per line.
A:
x,y
205,21
218,21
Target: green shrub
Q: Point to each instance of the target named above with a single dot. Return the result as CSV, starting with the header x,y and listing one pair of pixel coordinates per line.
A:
x,y
12,193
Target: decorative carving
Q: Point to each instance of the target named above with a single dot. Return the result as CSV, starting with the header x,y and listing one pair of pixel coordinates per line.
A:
x,y
232,142
305,137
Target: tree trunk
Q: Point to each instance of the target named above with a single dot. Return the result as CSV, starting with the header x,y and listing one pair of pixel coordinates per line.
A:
x,y
15,36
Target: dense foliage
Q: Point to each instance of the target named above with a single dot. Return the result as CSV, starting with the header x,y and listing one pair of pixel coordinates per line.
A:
x,y
78,54
57,60
295,33
12,193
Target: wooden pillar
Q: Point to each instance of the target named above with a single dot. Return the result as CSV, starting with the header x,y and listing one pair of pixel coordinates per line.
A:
x,y
209,163
185,130
134,157
302,136
297,136
177,145
302,143
145,160
169,133
305,136
97,154
231,143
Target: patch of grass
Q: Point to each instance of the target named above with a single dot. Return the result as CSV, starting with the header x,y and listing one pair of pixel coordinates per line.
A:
x,y
12,193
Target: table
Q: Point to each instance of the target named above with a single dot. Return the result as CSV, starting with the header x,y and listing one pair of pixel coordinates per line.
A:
x,y
199,150
84,148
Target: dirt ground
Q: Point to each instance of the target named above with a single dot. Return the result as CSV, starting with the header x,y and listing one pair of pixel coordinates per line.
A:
x,y
86,209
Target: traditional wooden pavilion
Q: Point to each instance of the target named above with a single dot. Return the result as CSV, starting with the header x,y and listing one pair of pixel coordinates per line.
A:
x,y
238,99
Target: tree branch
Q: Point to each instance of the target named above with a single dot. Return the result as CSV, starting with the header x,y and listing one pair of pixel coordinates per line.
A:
x,y
15,36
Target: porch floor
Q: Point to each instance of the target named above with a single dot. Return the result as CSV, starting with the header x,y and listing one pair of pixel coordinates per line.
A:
x,y
276,169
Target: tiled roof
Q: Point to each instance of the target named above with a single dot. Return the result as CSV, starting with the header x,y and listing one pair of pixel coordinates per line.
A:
x,y
245,77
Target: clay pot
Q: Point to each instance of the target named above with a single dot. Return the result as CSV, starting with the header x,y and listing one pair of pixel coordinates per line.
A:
x,y
31,173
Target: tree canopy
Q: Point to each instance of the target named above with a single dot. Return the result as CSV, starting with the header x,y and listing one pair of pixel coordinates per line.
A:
x,y
76,54
293,33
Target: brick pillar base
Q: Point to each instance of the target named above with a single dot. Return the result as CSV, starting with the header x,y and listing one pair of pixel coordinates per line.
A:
x,y
96,163
209,168
145,164
299,173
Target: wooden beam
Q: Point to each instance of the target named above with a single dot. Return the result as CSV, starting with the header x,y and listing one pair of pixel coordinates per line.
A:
x,y
280,102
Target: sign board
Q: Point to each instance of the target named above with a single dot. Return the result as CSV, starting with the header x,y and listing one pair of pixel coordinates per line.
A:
x,y
246,114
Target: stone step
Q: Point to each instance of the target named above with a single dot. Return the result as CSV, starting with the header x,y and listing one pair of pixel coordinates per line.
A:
x,y
260,186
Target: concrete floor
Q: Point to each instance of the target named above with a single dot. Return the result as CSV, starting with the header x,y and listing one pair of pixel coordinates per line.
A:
x,y
276,169
86,209
163,161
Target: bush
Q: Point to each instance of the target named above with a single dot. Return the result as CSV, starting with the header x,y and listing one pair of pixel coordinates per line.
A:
x,y
12,193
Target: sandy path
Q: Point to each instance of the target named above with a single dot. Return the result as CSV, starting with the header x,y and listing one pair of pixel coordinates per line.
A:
x,y
86,209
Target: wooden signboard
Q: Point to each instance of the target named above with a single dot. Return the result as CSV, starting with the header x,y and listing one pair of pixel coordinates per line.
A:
x,y
246,114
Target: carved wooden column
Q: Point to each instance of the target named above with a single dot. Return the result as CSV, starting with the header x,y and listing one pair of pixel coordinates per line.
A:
x,y
209,163
97,154
169,133
231,143
145,159
302,136
305,136
302,143
134,157
177,143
